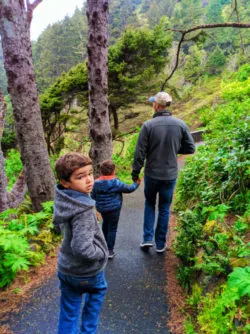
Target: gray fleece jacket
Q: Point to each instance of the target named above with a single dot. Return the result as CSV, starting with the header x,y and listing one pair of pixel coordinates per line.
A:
x,y
159,142
83,251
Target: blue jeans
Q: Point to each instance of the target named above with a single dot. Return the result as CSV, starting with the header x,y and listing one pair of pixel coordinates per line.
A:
x,y
72,290
109,226
165,189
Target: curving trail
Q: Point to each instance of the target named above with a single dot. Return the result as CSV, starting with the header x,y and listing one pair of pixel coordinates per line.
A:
x,y
136,301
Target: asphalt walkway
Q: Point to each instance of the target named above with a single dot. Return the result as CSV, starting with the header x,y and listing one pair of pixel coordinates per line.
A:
x,y
136,300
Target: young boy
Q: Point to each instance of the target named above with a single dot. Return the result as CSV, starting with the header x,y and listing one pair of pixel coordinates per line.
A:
x,y
83,253
107,192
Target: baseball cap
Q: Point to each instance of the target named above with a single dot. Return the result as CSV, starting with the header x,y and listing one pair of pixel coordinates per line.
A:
x,y
162,98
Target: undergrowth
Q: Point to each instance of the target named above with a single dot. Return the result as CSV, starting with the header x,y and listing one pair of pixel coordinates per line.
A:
x,y
25,239
213,227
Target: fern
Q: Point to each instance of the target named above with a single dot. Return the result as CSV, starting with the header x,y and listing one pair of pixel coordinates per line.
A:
x,y
15,262
240,279
219,314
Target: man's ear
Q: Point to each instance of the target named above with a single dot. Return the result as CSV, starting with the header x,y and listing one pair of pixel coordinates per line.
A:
x,y
156,106
65,184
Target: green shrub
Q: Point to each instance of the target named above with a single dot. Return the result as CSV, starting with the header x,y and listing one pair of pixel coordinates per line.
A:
x,y
24,241
212,200
13,166
228,311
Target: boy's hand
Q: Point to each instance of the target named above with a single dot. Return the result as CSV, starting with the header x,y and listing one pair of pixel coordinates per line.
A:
x,y
138,181
98,216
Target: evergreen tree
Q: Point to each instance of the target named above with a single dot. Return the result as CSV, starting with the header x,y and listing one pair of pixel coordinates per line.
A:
x,y
215,61
61,46
187,13
154,9
134,61
122,14
193,67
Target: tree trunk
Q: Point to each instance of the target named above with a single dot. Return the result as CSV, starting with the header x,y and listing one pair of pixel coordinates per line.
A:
x,y
15,197
3,178
15,18
113,111
100,132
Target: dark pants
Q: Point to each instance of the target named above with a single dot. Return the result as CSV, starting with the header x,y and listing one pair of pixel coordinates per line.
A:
x,y
72,290
165,190
109,226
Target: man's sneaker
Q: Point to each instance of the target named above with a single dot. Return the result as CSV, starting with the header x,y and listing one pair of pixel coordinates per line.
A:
x,y
111,254
146,244
161,250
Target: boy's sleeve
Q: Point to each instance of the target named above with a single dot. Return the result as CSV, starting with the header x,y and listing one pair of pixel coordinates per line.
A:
x,y
93,194
56,225
126,188
82,242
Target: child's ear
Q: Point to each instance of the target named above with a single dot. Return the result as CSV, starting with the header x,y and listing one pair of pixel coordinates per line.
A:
x,y
65,183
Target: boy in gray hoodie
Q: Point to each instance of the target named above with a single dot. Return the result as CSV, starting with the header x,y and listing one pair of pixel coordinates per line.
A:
x,y
83,253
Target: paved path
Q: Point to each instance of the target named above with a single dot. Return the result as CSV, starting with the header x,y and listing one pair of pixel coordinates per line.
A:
x,y
135,302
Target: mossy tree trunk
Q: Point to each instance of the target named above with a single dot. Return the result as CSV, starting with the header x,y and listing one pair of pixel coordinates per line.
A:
x,y
15,19
13,198
99,125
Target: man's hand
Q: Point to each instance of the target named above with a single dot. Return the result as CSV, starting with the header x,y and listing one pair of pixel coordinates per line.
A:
x,y
135,175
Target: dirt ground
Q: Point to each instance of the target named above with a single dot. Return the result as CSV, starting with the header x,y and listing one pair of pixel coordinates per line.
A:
x,y
175,293
13,298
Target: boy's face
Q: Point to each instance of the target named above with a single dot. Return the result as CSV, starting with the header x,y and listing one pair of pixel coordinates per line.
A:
x,y
82,180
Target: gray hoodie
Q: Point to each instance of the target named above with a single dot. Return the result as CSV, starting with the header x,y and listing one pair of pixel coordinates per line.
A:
x,y
83,251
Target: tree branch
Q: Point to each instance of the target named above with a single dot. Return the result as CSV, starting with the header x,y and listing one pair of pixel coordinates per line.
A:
x,y
238,20
214,25
30,8
177,61
203,26
17,193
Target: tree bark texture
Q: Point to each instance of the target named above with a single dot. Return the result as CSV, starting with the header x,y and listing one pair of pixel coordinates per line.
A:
x,y
3,178
15,197
99,125
15,18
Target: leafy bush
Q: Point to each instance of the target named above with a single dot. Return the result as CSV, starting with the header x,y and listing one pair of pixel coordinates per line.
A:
x,y
24,240
9,135
226,312
124,162
13,166
212,200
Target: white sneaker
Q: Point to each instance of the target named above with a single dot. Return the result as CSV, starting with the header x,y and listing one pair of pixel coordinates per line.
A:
x,y
111,254
146,244
161,250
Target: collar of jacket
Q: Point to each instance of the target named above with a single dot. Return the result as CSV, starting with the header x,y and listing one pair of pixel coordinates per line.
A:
x,y
162,113
106,177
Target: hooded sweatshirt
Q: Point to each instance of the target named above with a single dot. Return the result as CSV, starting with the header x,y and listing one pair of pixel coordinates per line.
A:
x,y
83,251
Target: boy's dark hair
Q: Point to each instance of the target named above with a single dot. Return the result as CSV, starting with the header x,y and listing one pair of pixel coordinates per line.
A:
x,y
107,167
68,163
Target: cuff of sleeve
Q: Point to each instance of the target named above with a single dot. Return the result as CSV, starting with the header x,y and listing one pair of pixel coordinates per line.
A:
x,y
135,175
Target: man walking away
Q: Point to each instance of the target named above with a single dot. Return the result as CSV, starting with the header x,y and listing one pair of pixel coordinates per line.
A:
x,y
159,142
